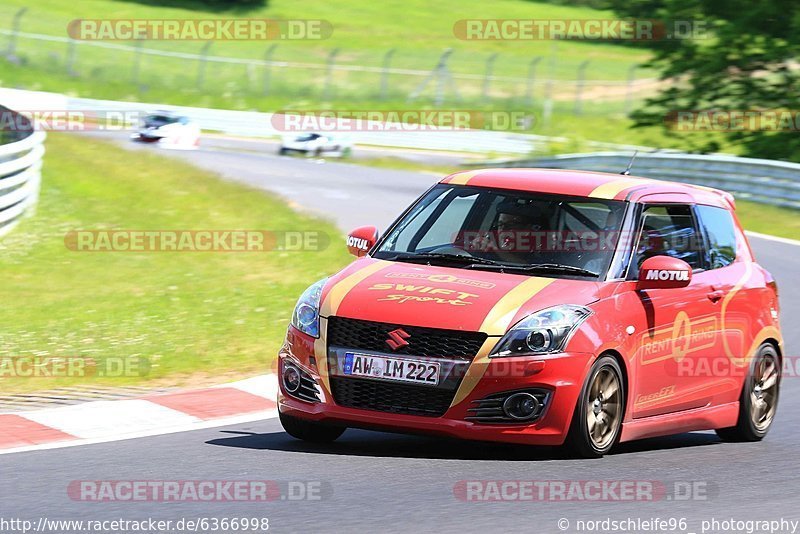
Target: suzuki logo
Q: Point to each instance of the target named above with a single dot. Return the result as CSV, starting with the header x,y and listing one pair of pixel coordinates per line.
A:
x,y
397,339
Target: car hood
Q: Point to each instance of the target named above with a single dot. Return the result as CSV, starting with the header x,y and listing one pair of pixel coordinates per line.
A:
x,y
445,297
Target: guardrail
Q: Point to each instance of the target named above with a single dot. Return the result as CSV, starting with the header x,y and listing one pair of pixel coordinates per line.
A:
x,y
256,124
21,151
760,180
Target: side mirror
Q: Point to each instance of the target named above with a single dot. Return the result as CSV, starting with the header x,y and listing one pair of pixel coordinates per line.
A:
x,y
661,272
360,240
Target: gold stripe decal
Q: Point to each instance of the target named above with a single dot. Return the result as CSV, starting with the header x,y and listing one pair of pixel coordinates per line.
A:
x,y
330,306
611,189
500,316
463,178
496,323
321,357
340,290
730,353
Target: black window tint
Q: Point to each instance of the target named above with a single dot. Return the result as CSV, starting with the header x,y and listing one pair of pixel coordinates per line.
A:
x,y
668,231
717,224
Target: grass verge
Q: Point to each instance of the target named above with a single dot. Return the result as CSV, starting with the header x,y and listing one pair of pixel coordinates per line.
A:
x,y
180,317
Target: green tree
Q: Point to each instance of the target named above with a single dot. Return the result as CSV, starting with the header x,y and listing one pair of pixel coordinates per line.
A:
x,y
746,58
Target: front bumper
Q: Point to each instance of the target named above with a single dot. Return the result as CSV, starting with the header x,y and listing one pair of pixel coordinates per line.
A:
x,y
561,375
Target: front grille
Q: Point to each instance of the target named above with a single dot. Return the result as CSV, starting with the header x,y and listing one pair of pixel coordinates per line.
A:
x,y
432,342
388,397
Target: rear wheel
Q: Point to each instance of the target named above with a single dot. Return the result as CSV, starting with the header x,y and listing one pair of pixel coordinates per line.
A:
x,y
310,430
597,420
759,399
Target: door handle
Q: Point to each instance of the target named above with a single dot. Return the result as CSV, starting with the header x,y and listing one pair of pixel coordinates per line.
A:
x,y
715,295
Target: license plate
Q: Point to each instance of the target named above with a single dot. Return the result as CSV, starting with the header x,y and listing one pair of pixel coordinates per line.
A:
x,y
398,369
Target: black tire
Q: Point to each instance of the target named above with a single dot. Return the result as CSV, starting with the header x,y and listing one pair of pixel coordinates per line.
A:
x,y
579,441
310,430
752,425
318,153
282,151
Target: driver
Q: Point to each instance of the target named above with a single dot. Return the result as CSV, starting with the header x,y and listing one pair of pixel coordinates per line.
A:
x,y
515,228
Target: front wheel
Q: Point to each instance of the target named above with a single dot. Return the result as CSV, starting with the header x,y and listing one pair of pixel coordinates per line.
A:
x,y
759,399
310,430
597,420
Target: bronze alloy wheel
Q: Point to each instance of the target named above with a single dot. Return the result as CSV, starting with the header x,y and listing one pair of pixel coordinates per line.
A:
x,y
764,391
597,421
604,407
758,401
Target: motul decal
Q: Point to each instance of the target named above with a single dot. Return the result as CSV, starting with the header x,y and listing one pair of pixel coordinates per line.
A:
x,y
667,274
357,242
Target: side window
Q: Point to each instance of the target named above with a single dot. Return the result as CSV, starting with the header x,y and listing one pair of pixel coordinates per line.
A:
x,y
588,216
668,231
717,223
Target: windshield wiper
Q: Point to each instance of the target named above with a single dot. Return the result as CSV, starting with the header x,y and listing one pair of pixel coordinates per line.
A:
x,y
427,257
537,268
474,262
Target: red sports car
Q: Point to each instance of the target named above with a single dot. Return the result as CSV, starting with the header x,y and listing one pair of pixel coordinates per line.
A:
x,y
541,307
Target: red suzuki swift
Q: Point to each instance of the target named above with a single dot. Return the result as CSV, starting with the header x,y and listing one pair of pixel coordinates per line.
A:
x,y
541,307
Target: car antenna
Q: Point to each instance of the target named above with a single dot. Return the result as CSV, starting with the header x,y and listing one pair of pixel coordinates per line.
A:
x,y
627,170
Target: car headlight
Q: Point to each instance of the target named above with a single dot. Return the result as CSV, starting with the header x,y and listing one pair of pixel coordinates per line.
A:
x,y
306,312
543,332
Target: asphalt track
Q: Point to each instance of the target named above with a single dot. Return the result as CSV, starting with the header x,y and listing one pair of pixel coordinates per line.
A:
x,y
375,482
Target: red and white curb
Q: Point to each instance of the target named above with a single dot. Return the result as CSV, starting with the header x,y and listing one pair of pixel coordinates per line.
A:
x,y
245,401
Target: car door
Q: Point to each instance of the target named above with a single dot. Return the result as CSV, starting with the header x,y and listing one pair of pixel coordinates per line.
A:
x,y
680,326
737,286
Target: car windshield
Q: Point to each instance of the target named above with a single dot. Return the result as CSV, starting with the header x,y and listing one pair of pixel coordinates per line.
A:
x,y
159,120
504,230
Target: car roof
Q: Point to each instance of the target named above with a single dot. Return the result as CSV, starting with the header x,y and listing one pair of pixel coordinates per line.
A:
x,y
591,184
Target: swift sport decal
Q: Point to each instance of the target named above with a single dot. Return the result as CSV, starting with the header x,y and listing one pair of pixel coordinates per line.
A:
x,y
401,293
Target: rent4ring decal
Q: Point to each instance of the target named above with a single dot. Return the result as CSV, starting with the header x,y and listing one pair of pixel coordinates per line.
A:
x,y
683,337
